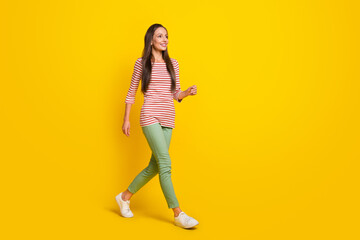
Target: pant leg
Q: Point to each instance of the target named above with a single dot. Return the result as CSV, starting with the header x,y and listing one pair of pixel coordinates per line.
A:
x,y
151,170
157,136
144,176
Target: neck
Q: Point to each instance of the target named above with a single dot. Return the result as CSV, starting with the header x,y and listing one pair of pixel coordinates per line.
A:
x,y
157,56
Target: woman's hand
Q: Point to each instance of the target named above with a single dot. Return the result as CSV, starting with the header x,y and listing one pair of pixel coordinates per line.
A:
x,y
126,128
191,90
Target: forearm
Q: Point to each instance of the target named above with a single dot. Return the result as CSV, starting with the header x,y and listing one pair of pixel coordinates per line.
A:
x,y
127,111
183,95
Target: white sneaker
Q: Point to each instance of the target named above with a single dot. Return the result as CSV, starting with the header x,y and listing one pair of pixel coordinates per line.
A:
x,y
183,220
124,206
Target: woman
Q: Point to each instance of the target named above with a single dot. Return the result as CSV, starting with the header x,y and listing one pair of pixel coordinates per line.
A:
x,y
160,85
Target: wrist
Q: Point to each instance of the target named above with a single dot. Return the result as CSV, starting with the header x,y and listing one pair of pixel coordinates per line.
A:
x,y
184,94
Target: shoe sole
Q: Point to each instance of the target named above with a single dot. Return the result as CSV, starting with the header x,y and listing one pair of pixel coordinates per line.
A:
x,y
118,202
186,227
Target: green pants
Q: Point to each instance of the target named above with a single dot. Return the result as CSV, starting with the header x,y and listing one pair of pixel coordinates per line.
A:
x,y
158,138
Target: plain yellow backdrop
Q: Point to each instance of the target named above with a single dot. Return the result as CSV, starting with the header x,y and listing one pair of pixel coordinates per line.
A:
x,y
267,149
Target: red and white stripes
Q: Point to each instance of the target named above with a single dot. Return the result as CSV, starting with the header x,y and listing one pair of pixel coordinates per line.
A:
x,y
158,106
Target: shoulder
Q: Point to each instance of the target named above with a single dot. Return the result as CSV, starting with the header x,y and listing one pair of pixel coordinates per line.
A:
x,y
138,62
174,61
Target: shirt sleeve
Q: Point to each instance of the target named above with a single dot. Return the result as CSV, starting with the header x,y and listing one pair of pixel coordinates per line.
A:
x,y
130,97
177,89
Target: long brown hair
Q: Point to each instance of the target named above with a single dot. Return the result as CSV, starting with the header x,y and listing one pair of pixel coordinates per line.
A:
x,y
146,60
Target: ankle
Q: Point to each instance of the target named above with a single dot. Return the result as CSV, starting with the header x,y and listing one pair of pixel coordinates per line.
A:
x,y
124,196
177,212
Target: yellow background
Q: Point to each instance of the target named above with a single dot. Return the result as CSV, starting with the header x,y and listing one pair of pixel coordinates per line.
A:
x,y
267,149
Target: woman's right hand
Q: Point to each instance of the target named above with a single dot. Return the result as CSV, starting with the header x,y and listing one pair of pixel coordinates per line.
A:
x,y
126,128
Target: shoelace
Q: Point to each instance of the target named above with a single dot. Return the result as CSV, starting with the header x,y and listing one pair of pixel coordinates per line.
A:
x,y
187,218
126,206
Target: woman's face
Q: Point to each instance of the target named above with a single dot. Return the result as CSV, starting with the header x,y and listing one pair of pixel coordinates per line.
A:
x,y
160,39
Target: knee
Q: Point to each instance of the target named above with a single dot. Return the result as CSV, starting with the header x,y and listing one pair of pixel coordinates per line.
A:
x,y
165,170
151,170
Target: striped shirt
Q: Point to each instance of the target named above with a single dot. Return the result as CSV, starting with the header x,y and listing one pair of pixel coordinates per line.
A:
x,y
158,106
